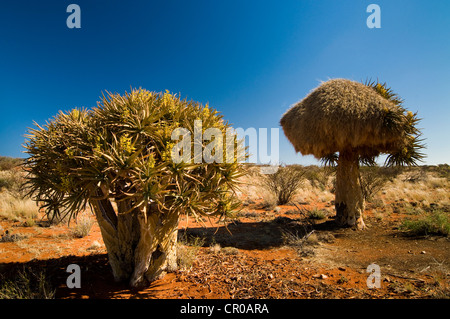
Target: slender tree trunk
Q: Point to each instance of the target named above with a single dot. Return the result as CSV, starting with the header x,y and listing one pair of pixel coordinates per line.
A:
x,y
141,245
349,202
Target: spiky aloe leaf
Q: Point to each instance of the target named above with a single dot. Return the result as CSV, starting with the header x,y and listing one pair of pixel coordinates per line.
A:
x,y
409,150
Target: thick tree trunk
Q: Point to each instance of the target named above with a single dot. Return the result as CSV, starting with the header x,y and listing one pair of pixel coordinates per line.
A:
x,y
141,245
115,237
156,251
349,202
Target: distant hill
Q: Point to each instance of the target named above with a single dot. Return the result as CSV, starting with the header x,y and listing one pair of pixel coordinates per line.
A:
x,y
7,163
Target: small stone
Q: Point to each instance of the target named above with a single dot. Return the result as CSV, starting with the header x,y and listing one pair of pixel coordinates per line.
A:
x,y
423,252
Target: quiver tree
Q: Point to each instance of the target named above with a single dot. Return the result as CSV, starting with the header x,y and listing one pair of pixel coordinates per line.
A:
x,y
117,158
349,123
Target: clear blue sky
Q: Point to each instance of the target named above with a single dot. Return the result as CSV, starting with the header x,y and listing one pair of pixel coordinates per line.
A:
x,y
250,60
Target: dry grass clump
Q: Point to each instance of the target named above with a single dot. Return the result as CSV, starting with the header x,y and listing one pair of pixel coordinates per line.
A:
x,y
28,284
95,246
8,237
229,251
425,191
15,208
83,227
187,250
304,244
317,213
13,203
374,178
310,194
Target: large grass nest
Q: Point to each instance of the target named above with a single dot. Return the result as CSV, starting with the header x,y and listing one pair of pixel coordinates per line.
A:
x,y
341,114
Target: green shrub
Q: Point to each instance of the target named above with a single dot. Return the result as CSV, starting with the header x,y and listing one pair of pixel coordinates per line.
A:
x,y
317,213
342,280
437,223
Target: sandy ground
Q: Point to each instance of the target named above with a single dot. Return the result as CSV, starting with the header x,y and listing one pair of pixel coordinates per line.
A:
x,y
249,258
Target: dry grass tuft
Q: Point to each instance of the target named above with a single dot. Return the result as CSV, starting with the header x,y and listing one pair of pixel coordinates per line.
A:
x,y
83,227
14,208
28,284
13,204
187,250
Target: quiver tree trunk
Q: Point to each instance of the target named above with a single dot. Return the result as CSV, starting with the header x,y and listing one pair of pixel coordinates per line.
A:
x,y
141,244
349,201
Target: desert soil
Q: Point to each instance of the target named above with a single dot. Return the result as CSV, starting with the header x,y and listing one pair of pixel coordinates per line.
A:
x,y
249,258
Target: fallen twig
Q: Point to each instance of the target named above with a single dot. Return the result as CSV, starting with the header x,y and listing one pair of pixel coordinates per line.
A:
x,y
404,277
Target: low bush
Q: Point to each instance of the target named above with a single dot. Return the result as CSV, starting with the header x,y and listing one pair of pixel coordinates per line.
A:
x,y
319,176
8,237
317,214
12,181
373,179
434,223
8,163
284,183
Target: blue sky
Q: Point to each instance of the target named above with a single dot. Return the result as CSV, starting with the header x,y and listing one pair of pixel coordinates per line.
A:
x,y
251,60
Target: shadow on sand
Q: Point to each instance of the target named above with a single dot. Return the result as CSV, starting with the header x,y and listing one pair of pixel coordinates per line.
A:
x,y
257,235
97,281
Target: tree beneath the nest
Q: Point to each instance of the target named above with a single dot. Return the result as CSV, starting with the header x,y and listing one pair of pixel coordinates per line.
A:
x,y
348,124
